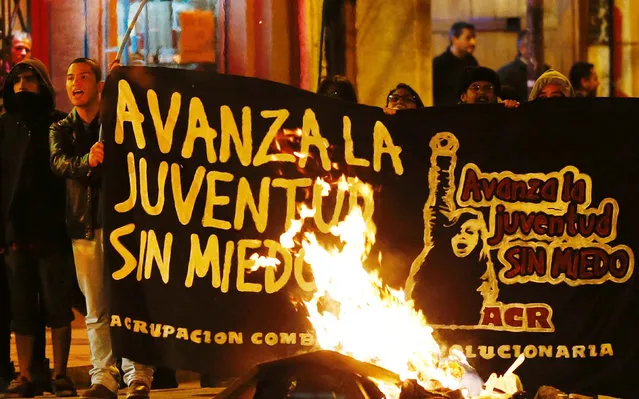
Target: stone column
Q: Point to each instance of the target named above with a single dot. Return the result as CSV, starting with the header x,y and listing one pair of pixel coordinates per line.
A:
x,y
67,41
626,48
393,45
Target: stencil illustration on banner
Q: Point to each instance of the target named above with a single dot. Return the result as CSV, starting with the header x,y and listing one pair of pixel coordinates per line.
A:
x,y
506,228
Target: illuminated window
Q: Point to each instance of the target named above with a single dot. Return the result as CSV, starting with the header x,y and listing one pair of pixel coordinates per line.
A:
x,y
155,37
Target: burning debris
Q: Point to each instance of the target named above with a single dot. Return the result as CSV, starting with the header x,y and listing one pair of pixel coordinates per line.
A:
x,y
326,374
355,314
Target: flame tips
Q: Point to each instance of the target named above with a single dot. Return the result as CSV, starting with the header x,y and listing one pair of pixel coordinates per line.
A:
x,y
352,311
260,261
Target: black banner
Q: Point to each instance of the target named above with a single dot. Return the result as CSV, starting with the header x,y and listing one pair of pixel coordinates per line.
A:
x,y
513,230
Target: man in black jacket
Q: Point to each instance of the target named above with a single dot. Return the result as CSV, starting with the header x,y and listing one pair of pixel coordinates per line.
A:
x,y
449,66
77,155
520,74
32,210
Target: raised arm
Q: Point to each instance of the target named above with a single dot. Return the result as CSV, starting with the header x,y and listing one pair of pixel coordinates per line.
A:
x,y
441,196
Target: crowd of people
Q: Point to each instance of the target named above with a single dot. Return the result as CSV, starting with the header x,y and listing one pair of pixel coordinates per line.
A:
x,y
459,79
50,219
51,231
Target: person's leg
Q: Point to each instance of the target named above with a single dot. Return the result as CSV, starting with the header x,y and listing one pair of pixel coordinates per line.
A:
x,y
24,346
56,285
6,367
89,267
138,378
56,276
23,281
40,345
40,365
134,371
61,338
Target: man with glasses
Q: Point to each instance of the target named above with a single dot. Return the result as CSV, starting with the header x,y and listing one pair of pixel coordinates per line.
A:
x,y
403,97
481,85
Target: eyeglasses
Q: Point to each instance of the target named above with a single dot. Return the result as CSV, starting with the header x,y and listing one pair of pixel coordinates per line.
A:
x,y
393,98
476,87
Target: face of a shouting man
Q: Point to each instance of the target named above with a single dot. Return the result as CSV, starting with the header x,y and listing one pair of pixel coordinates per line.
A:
x,y
83,89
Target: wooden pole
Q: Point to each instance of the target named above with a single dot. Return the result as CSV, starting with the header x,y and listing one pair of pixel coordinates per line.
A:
x,y
535,23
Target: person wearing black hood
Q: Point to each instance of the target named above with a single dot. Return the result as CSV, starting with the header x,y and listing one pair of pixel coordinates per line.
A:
x,y
32,210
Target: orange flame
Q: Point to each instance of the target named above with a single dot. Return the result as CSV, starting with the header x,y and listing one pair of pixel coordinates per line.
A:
x,y
355,314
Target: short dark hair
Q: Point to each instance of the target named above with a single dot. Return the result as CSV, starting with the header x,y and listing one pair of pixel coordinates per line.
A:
x,y
581,70
521,36
341,88
97,71
458,27
418,101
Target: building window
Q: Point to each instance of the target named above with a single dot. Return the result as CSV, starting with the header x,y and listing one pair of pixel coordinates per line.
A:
x,y
155,39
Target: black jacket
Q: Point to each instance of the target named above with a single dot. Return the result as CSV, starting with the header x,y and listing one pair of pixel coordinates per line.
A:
x,y
447,72
515,75
31,196
69,144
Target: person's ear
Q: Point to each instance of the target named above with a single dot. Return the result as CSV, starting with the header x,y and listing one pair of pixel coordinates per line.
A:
x,y
463,97
582,80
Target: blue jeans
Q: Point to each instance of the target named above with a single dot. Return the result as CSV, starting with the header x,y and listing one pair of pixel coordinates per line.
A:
x,y
94,284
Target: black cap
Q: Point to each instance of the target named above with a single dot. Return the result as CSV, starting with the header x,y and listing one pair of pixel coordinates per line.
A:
x,y
478,74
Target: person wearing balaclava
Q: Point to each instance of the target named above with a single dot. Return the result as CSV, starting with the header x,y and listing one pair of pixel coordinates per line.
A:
x,y
33,231
551,84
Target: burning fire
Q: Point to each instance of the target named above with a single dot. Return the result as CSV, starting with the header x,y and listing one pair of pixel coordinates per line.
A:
x,y
355,314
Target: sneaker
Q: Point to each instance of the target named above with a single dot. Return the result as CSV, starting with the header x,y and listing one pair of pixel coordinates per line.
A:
x,y
138,390
63,387
98,391
22,388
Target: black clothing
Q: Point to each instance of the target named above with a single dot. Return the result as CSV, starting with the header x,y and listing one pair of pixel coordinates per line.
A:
x,y
31,196
44,280
519,76
70,141
515,75
32,229
447,72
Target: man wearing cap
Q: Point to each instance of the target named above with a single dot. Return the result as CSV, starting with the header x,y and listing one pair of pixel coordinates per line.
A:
x,y
481,85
